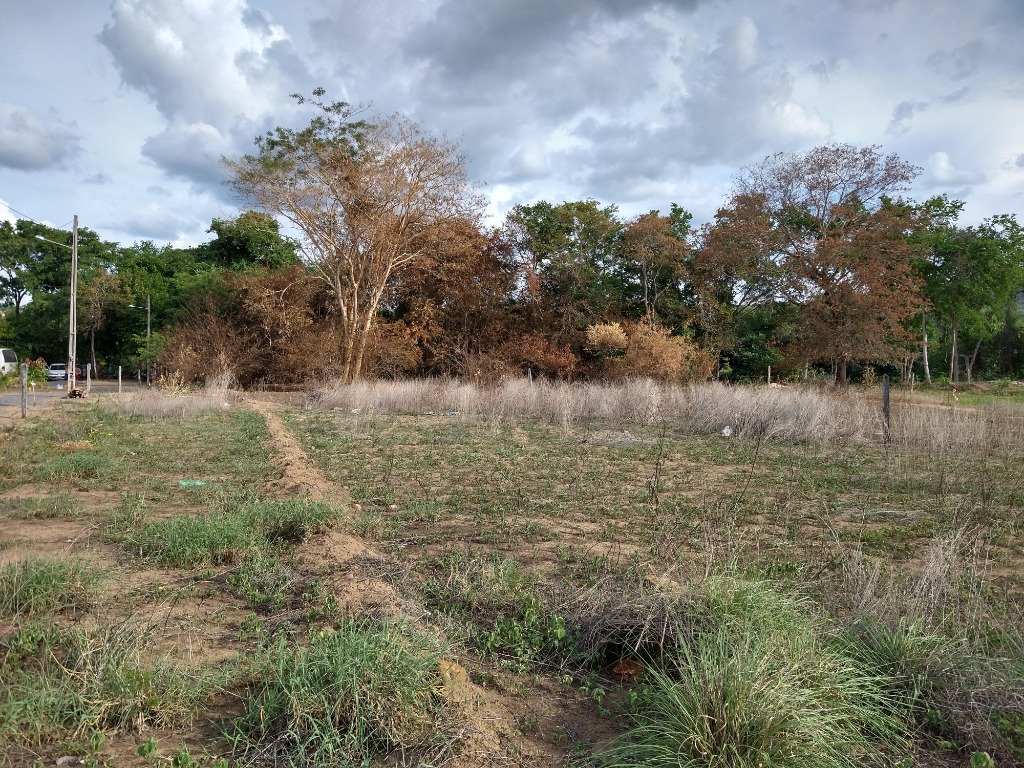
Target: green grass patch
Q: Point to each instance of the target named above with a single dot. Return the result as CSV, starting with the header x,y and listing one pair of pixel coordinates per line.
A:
x,y
228,536
63,683
39,585
362,691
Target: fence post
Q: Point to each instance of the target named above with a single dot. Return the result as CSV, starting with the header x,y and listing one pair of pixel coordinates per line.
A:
x,y
24,390
885,408
88,378
119,379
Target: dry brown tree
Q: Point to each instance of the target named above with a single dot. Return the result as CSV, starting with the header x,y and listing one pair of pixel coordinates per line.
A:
x,y
841,242
361,193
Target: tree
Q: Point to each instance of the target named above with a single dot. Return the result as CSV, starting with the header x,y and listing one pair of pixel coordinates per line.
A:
x,y
842,244
362,194
655,247
251,241
736,270
568,255
970,274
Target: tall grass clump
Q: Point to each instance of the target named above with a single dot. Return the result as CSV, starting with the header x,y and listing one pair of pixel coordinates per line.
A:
x,y
37,585
61,683
756,681
363,691
950,691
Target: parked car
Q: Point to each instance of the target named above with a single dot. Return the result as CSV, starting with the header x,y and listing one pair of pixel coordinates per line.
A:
x,y
8,361
57,372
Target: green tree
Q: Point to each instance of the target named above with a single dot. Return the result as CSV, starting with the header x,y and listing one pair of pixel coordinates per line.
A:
x,y
569,255
252,241
970,275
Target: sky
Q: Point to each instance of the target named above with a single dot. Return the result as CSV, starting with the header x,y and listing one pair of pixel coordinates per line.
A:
x,y
120,111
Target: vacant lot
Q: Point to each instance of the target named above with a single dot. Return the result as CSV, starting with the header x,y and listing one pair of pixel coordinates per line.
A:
x,y
437,574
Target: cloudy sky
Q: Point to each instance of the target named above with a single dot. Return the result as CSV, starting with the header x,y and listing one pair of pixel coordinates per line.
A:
x,y
120,110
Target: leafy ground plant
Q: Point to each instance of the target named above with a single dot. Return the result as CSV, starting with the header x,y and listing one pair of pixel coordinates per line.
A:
x,y
361,691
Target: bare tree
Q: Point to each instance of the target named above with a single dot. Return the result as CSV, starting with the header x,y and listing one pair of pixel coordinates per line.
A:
x,y
363,194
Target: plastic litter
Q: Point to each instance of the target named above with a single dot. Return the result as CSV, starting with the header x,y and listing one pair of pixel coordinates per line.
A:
x,y
191,483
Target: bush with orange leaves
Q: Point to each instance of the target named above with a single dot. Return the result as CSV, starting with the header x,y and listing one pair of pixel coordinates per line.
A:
x,y
606,340
654,353
533,351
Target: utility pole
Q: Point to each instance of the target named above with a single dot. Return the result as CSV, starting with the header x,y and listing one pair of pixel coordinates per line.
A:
x,y
149,362
73,323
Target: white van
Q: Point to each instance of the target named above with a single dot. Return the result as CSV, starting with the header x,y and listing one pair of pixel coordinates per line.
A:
x,y
8,361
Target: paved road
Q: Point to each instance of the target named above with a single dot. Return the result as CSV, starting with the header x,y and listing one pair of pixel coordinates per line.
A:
x,y
10,399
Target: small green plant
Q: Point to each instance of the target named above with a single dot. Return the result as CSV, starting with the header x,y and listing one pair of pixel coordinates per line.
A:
x,y
147,748
526,637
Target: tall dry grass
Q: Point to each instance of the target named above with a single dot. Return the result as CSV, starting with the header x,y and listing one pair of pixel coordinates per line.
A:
x,y
806,414
173,402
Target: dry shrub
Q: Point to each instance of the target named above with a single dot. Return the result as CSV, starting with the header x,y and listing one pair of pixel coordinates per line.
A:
x,y
654,353
606,340
533,351
391,352
206,343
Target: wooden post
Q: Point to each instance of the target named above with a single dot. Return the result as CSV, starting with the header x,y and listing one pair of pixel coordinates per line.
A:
x,y
24,390
88,378
119,379
885,408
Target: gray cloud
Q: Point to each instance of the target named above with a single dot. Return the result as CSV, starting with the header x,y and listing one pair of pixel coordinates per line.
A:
x,y
902,114
32,143
154,222
99,179
960,62
191,152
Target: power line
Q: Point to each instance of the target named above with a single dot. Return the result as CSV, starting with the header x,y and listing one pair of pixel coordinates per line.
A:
x,y
12,209
23,215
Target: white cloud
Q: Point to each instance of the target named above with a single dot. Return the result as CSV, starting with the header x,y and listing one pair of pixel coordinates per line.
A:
x,y
29,142
940,172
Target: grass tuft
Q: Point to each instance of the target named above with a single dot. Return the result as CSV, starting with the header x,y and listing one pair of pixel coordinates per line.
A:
x,y
37,585
362,691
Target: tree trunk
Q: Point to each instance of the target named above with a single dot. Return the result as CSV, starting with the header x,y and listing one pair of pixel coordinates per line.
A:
x,y
969,361
841,372
954,367
924,347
